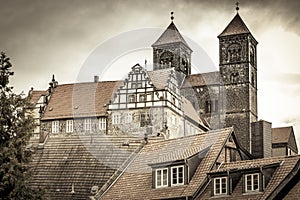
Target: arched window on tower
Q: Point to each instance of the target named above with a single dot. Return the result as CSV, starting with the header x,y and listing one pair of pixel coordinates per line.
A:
x,y
166,60
234,53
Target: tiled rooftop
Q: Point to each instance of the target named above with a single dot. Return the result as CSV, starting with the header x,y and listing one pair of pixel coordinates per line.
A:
x,y
139,173
80,100
79,162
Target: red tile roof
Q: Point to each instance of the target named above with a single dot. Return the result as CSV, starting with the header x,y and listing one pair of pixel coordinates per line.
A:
x,y
170,35
80,100
82,161
236,26
136,182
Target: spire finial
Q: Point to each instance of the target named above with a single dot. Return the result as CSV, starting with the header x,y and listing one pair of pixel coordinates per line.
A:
x,y
237,6
172,17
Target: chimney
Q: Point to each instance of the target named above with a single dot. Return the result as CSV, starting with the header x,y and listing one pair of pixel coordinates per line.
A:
x,y
96,79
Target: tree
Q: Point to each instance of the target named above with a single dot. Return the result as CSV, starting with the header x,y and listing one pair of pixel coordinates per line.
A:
x,y
16,127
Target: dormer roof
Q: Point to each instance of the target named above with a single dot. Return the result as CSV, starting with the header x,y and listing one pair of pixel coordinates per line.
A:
x,y
170,35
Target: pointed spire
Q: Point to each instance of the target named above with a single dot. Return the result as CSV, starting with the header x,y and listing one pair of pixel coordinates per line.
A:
x,y
236,26
170,35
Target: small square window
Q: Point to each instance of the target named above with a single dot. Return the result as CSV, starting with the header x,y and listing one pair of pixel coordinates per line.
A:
x,y
142,98
131,98
116,118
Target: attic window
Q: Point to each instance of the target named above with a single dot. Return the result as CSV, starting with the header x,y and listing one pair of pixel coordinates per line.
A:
x,y
252,182
161,177
220,186
177,175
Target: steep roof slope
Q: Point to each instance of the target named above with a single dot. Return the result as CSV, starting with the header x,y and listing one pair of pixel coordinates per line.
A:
x,y
236,26
139,173
170,35
77,163
80,100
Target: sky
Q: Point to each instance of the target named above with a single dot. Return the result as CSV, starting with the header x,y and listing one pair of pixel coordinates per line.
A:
x,y
45,37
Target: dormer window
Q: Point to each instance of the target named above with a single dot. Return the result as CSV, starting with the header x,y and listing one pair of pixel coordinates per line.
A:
x,y
177,175
220,186
161,177
252,182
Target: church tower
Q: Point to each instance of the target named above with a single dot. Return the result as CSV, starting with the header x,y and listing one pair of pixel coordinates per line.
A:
x,y
238,74
171,50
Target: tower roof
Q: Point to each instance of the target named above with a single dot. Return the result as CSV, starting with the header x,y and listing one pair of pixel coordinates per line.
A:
x,y
170,35
236,26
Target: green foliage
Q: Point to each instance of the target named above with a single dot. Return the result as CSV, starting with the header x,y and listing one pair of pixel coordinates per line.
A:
x,y
16,127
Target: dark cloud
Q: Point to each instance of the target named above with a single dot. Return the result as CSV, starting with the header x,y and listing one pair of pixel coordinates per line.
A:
x,y
45,36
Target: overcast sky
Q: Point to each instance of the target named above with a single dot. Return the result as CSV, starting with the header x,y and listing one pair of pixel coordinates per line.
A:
x,y
45,37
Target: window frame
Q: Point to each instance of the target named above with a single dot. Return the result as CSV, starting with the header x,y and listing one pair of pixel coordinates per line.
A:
x,y
128,118
55,126
131,98
102,123
252,184
116,118
220,187
161,170
87,124
69,126
177,175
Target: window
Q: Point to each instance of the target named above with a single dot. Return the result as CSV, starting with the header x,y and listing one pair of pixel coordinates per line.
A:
x,y
116,119
102,123
88,124
211,106
220,186
131,98
128,118
145,119
142,98
161,177
136,85
55,126
69,126
252,182
177,175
